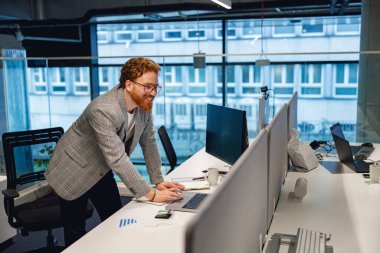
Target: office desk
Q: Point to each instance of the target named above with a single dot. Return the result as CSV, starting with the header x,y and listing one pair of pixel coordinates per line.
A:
x,y
148,234
346,206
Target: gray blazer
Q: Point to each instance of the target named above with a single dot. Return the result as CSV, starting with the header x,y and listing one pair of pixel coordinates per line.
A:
x,y
96,143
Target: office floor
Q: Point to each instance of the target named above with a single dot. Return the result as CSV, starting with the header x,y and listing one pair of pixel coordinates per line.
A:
x,y
37,240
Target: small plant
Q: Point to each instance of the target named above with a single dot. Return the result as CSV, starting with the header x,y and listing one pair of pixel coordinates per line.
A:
x,y
43,162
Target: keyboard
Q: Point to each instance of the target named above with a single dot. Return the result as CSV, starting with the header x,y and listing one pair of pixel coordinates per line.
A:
x,y
196,185
195,201
308,241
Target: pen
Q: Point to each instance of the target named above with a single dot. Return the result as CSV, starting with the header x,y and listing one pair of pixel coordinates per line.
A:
x,y
198,178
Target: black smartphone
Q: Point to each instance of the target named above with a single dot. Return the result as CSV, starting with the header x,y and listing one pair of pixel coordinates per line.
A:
x,y
163,214
365,175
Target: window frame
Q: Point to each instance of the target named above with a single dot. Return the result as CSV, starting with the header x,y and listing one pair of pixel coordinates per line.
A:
x,y
101,81
219,85
282,35
253,35
283,83
197,82
81,83
310,82
251,81
228,37
116,33
56,81
145,40
164,38
106,33
175,83
311,34
196,38
346,83
347,23
41,82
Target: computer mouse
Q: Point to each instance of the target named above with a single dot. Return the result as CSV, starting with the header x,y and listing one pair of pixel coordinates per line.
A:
x,y
367,144
360,157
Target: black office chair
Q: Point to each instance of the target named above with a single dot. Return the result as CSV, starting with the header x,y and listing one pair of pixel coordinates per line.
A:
x,y
168,147
27,150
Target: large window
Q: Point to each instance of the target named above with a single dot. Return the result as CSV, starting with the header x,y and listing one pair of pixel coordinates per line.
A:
x,y
59,94
322,80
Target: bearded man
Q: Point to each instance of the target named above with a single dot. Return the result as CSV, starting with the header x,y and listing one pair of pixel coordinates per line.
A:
x,y
101,141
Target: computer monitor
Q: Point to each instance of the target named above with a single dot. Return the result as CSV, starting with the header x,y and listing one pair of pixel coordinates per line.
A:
x,y
226,133
233,217
292,113
263,111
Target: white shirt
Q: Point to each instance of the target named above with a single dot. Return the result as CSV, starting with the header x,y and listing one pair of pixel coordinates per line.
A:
x,y
131,124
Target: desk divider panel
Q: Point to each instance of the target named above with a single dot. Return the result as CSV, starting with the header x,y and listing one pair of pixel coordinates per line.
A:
x,y
277,158
233,218
292,113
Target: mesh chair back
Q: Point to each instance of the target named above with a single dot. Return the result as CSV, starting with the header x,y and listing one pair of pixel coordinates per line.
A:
x,y
13,140
168,147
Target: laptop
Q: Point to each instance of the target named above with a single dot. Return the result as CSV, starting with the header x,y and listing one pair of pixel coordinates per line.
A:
x,y
336,130
345,153
189,203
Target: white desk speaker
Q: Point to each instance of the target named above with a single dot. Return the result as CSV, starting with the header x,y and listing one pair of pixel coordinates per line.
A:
x,y
300,188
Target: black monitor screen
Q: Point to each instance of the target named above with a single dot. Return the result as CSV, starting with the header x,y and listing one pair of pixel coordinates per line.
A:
x,y
226,133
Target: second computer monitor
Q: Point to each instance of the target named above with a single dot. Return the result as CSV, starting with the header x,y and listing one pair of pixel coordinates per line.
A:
x,y
226,133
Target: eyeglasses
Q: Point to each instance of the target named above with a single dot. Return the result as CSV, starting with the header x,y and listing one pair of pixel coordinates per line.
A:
x,y
149,88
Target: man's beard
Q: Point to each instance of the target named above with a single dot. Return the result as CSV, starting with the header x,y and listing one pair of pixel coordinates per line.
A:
x,y
141,101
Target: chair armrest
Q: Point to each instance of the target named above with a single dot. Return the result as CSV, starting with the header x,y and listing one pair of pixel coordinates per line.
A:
x,y
9,196
10,193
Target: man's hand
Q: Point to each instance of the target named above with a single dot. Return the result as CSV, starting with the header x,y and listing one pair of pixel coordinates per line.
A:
x,y
163,195
169,185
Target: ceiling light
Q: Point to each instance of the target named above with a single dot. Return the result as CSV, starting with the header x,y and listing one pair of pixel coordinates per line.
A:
x,y
224,3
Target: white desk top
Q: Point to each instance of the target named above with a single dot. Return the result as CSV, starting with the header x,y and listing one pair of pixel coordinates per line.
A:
x,y
346,206
147,234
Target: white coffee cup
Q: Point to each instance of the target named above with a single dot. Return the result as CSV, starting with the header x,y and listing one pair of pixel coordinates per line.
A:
x,y
374,173
212,176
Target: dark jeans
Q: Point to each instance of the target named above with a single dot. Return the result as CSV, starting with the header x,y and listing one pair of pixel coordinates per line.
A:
x,y
105,197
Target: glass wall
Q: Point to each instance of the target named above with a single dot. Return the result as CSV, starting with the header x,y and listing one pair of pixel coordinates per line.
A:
x,y
305,54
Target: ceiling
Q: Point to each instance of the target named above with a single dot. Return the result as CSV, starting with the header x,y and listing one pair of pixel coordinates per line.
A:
x,y
47,12
58,28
